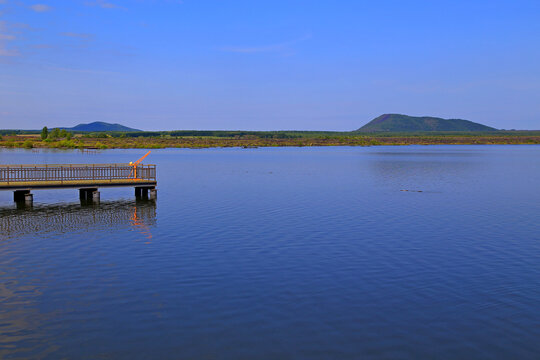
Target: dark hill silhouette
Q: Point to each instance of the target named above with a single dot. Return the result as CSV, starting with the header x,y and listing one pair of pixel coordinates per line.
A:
x,y
101,126
404,123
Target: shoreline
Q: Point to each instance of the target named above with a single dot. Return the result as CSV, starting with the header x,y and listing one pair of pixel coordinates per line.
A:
x,y
91,143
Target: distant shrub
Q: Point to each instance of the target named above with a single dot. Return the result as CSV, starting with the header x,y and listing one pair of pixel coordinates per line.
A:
x,y
28,144
66,144
101,146
97,135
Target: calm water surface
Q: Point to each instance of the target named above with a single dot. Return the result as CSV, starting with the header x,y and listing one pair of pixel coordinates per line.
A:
x,y
290,253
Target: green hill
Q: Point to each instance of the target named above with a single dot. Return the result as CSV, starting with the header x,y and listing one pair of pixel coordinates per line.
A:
x,y
101,126
404,123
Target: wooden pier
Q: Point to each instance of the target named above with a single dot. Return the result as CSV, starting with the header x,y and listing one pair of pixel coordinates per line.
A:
x,y
88,178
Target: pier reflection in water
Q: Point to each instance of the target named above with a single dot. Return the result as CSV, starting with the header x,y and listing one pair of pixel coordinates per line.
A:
x,y
62,219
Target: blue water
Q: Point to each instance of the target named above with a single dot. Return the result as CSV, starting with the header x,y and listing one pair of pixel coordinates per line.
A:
x,y
287,253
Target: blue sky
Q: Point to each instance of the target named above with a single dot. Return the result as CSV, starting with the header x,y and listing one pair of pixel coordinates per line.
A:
x,y
258,65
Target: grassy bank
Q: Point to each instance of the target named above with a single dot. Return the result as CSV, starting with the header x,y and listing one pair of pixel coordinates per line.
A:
x,y
208,139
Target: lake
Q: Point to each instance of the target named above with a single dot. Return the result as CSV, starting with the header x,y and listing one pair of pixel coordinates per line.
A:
x,y
280,253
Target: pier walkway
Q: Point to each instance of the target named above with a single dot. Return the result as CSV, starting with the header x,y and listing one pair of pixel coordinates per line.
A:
x,y
86,177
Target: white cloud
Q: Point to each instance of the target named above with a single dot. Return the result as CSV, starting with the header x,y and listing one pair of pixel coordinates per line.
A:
x,y
4,51
77,35
42,46
21,26
4,38
104,4
85,71
40,8
280,47
7,52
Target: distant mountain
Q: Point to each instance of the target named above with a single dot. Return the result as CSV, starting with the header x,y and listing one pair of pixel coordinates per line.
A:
x,y
404,123
101,126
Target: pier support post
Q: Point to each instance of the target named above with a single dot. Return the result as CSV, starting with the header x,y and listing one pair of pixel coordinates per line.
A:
x,y
22,195
141,192
23,198
89,195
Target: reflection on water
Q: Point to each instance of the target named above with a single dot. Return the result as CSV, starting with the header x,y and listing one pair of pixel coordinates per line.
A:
x,y
426,171
20,314
25,281
62,219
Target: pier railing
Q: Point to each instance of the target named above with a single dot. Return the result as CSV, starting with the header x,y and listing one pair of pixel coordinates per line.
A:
x,y
81,172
